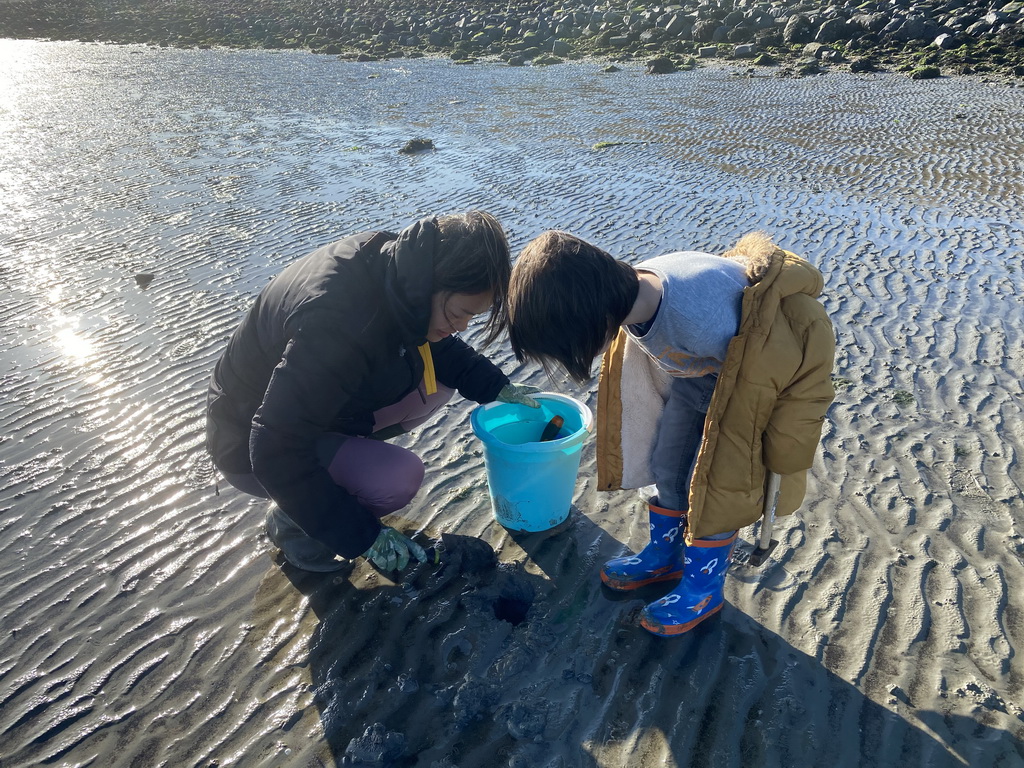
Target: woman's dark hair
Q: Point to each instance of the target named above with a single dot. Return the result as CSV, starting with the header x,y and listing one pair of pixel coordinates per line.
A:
x,y
566,301
473,257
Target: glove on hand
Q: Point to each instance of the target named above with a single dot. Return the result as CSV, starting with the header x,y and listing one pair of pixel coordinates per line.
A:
x,y
391,550
518,394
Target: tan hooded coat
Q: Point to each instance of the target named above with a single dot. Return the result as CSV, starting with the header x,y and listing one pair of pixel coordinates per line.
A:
x,y
767,410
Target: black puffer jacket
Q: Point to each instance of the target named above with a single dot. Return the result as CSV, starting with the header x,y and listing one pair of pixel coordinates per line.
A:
x,y
330,340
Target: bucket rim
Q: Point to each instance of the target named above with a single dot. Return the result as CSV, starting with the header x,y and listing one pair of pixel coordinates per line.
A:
x,y
560,444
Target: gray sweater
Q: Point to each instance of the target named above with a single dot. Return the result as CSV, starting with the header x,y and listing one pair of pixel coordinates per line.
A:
x,y
699,312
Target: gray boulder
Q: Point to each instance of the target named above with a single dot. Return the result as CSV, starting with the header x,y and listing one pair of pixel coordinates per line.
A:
x,y
662,65
832,31
863,64
808,67
761,19
768,38
814,50
678,26
704,30
561,48
870,22
912,28
958,22
798,31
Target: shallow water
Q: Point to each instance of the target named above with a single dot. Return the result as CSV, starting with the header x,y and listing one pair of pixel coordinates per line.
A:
x,y
144,622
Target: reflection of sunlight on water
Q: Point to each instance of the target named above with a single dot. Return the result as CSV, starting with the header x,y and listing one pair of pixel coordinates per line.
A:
x,y
27,81
66,336
18,64
73,345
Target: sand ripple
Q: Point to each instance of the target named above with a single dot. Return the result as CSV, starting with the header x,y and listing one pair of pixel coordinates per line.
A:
x,y
145,621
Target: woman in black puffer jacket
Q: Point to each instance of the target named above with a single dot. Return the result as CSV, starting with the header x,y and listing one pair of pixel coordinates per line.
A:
x,y
350,345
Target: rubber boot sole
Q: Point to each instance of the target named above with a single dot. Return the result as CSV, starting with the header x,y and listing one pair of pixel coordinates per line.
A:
x,y
627,586
673,630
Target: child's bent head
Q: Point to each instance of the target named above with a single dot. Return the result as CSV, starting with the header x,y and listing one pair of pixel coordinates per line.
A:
x,y
566,301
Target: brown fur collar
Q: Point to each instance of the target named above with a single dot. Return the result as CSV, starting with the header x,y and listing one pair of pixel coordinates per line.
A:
x,y
755,250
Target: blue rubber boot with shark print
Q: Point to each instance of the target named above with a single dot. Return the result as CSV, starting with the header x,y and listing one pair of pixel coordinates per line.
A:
x,y
661,560
700,593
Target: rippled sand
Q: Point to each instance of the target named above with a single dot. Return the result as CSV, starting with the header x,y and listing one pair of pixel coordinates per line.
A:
x,y
146,620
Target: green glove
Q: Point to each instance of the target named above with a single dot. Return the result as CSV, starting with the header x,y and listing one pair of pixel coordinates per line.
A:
x,y
391,550
518,394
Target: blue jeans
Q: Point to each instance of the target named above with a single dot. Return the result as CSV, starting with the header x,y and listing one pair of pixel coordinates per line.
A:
x,y
679,437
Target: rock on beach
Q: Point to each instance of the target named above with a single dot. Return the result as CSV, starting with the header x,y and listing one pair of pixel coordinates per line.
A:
x,y
961,36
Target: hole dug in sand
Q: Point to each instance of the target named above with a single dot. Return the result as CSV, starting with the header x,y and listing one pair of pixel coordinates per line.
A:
x,y
513,597
511,609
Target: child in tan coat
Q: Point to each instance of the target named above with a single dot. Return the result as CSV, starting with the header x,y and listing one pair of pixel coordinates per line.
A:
x,y
717,372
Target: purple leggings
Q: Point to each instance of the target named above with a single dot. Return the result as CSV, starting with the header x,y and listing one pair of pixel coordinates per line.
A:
x,y
383,477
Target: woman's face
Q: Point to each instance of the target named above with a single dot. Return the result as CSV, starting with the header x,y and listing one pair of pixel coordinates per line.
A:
x,y
451,312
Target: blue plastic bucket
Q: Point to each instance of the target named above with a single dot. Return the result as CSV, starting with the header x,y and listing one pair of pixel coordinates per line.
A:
x,y
532,483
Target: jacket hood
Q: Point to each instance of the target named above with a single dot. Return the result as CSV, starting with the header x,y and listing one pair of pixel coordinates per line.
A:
x,y
790,275
409,278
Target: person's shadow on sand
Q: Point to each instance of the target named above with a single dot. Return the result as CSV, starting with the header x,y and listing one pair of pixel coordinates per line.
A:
x,y
530,664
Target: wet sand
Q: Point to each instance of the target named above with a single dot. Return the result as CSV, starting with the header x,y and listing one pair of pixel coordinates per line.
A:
x,y
147,621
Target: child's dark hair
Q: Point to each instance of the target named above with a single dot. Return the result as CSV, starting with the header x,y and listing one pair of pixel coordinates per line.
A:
x,y
567,299
473,257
